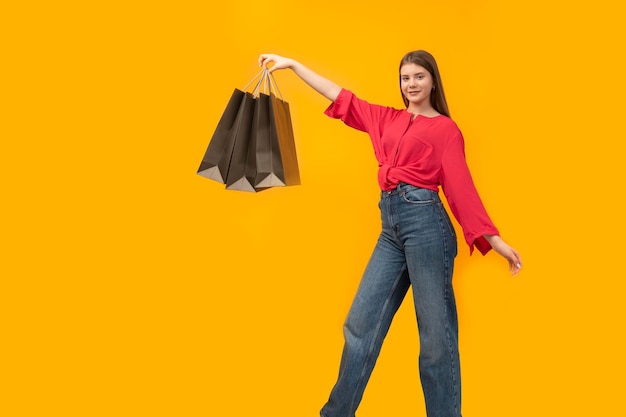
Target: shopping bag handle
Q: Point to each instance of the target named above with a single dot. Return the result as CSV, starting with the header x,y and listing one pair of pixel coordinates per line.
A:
x,y
265,80
272,82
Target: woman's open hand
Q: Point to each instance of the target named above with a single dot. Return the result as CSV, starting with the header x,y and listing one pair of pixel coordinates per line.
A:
x,y
510,254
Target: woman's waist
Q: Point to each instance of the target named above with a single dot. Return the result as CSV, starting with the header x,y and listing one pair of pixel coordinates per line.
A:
x,y
389,178
422,192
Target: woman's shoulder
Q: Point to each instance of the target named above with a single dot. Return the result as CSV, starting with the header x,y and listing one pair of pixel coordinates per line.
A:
x,y
446,121
442,123
444,127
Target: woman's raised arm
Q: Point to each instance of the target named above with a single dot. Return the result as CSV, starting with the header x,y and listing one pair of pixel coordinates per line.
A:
x,y
322,85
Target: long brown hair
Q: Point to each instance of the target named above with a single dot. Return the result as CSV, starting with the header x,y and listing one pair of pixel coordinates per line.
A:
x,y
426,60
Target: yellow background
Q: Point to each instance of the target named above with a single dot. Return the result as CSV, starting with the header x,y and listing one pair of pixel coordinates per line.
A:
x,y
133,287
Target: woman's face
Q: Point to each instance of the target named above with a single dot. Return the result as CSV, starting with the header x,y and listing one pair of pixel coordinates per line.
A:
x,y
416,84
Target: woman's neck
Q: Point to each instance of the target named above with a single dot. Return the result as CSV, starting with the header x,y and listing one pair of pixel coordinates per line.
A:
x,y
425,109
427,112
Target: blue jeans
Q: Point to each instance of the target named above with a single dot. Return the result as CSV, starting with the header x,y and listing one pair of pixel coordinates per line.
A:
x,y
416,248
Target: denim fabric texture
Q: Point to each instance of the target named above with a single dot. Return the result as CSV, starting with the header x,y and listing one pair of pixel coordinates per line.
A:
x,y
416,249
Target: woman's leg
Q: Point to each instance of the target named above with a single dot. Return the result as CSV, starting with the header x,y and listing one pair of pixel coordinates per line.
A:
x,y
380,293
430,245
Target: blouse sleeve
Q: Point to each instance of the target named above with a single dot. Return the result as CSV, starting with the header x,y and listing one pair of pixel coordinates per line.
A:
x,y
463,198
355,112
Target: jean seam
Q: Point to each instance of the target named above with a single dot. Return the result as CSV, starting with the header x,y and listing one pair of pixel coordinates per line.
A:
x,y
450,347
445,219
375,335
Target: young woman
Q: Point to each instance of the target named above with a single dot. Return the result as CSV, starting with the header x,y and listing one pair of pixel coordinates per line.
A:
x,y
418,149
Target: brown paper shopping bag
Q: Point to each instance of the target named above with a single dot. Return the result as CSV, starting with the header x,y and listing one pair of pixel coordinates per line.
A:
x,y
281,124
277,162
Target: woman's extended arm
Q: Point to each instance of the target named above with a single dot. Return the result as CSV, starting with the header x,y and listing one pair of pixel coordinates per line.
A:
x,y
324,86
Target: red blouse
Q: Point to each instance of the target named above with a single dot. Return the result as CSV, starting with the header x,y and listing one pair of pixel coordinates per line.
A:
x,y
426,152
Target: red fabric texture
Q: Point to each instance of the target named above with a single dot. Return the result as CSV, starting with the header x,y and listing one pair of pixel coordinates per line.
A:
x,y
427,152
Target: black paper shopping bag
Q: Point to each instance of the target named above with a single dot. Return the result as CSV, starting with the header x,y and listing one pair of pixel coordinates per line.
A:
x,y
242,175
236,178
216,159
269,166
231,137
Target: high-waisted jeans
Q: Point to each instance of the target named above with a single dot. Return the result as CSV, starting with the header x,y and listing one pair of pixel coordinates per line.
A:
x,y
416,249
